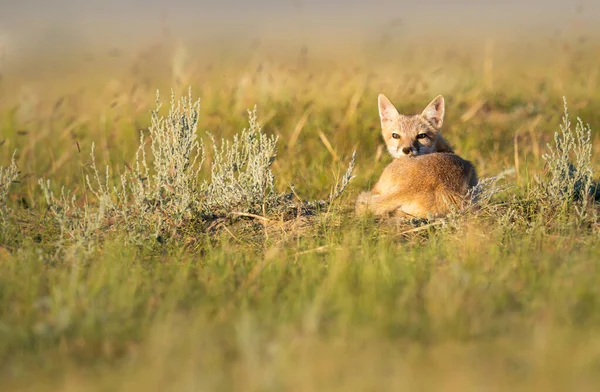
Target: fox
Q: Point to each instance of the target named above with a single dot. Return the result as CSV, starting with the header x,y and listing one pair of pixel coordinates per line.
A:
x,y
413,135
425,186
426,179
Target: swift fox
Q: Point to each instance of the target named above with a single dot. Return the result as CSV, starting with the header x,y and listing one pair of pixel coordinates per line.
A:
x,y
426,178
422,186
412,135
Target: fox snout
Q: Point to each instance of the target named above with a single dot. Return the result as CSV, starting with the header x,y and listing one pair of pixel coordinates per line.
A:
x,y
401,151
408,151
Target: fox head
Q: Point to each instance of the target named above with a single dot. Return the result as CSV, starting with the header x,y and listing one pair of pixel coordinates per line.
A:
x,y
412,135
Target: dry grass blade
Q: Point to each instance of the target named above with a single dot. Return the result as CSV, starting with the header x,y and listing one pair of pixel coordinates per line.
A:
x,y
320,249
298,128
472,111
248,215
328,146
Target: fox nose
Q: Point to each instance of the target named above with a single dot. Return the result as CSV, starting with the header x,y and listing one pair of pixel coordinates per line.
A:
x,y
406,150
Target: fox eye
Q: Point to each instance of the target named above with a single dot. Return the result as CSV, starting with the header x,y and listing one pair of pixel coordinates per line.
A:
x,y
422,136
395,136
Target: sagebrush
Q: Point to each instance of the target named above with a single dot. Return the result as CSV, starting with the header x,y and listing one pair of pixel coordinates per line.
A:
x,y
162,193
567,184
241,178
8,175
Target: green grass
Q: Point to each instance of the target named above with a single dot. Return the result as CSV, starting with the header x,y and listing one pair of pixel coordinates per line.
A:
x,y
506,298
371,307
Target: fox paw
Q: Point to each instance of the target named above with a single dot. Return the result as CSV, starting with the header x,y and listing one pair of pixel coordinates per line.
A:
x,y
363,201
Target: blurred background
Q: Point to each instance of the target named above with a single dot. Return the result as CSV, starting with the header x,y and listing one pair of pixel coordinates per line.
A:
x,y
39,26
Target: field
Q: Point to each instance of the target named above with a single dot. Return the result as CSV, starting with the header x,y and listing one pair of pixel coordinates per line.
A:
x,y
269,294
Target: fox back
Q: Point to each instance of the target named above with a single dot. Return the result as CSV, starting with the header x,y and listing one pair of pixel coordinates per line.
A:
x,y
412,135
425,185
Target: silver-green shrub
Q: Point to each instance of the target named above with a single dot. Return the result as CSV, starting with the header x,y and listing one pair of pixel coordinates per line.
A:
x,y
8,175
162,193
241,177
155,196
569,174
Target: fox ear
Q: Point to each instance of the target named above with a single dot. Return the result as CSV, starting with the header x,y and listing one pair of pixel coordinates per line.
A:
x,y
387,111
434,112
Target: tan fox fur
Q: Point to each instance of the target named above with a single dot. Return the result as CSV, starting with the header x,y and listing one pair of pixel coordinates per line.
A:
x,y
421,186
411,135
426,178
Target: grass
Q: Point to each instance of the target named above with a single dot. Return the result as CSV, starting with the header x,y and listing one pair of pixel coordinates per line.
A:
x,y
502,298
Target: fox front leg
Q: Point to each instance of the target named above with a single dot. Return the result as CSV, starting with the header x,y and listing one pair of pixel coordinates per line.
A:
x,y
377,204
363,202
